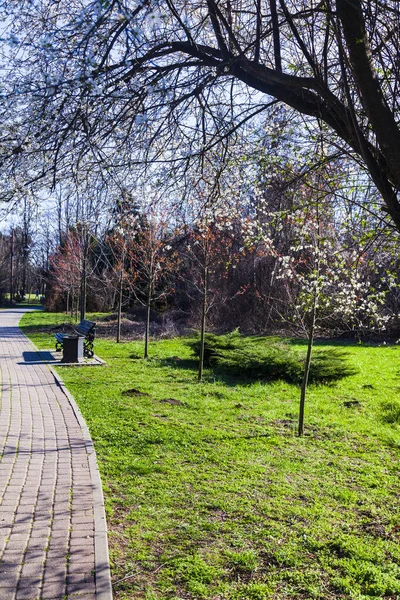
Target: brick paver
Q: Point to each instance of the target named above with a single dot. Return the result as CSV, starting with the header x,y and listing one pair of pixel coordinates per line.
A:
x,y
49,503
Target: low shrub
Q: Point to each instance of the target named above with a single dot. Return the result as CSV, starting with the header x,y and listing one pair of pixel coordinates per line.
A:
x,y
270,359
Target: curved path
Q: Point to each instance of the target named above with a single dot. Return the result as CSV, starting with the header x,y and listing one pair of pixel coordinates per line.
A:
x,y
53,539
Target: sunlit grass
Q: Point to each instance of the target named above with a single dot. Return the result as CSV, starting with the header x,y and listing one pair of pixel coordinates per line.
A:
x,y
210,494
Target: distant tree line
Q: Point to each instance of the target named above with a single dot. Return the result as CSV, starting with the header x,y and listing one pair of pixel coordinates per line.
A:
x,y
251,266
18,275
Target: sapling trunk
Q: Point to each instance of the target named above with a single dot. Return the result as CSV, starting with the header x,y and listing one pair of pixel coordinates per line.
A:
x,y
12,268
83,296
203,323
307,365
148,306
119,309
84,279
304,383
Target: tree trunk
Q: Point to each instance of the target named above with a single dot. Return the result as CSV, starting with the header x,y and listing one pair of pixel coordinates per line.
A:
x,y
23,285
12,267
307,365
203,323
119,309
148,306
84,278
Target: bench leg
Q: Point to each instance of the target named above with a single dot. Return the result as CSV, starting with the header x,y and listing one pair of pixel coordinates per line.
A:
x,y
88,348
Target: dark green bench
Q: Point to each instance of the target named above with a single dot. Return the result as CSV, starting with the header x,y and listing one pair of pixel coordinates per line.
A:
x,y
85,329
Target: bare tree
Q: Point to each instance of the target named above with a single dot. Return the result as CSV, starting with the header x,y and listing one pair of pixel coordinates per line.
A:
x,y
152,262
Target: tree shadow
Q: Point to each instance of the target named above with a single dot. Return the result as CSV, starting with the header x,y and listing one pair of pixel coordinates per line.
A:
x,y
211,375
342,342
33,306
49,328
187,364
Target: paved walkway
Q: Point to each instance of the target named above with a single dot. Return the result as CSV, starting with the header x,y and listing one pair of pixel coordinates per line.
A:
x,y
53,541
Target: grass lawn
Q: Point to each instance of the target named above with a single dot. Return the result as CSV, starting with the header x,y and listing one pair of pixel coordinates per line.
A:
x,y
29,298
210,494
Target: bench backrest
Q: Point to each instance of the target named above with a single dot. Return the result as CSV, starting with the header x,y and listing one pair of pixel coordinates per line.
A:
x,y
85,327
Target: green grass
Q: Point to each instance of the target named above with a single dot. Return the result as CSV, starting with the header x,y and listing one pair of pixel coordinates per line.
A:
x,y
210,494
28,297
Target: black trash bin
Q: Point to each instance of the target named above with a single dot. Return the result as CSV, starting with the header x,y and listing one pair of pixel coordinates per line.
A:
x,y
72,349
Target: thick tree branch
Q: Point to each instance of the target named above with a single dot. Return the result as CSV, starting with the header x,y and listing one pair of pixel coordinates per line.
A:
x,y
365,76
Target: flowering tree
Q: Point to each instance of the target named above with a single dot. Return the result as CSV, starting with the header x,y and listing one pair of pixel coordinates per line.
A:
x,y
323,278
142,240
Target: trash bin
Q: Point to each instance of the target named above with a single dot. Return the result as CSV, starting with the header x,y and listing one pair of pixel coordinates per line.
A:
x,y
72,349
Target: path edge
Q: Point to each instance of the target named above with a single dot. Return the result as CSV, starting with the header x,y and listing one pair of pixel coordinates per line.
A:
x,y
101,555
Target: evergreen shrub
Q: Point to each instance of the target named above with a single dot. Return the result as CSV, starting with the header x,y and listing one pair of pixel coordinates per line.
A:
x,y
270,358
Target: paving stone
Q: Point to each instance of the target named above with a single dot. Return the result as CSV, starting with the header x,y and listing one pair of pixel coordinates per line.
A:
x,y
77,538
56,572
81,586
17,546
53,589
57,554
41,531
85,520
61,523
18,538
59,533
32,569
28,594
79,566
9,578
25,511
7,593
4,510
30,582
28,500
83,578
10,558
